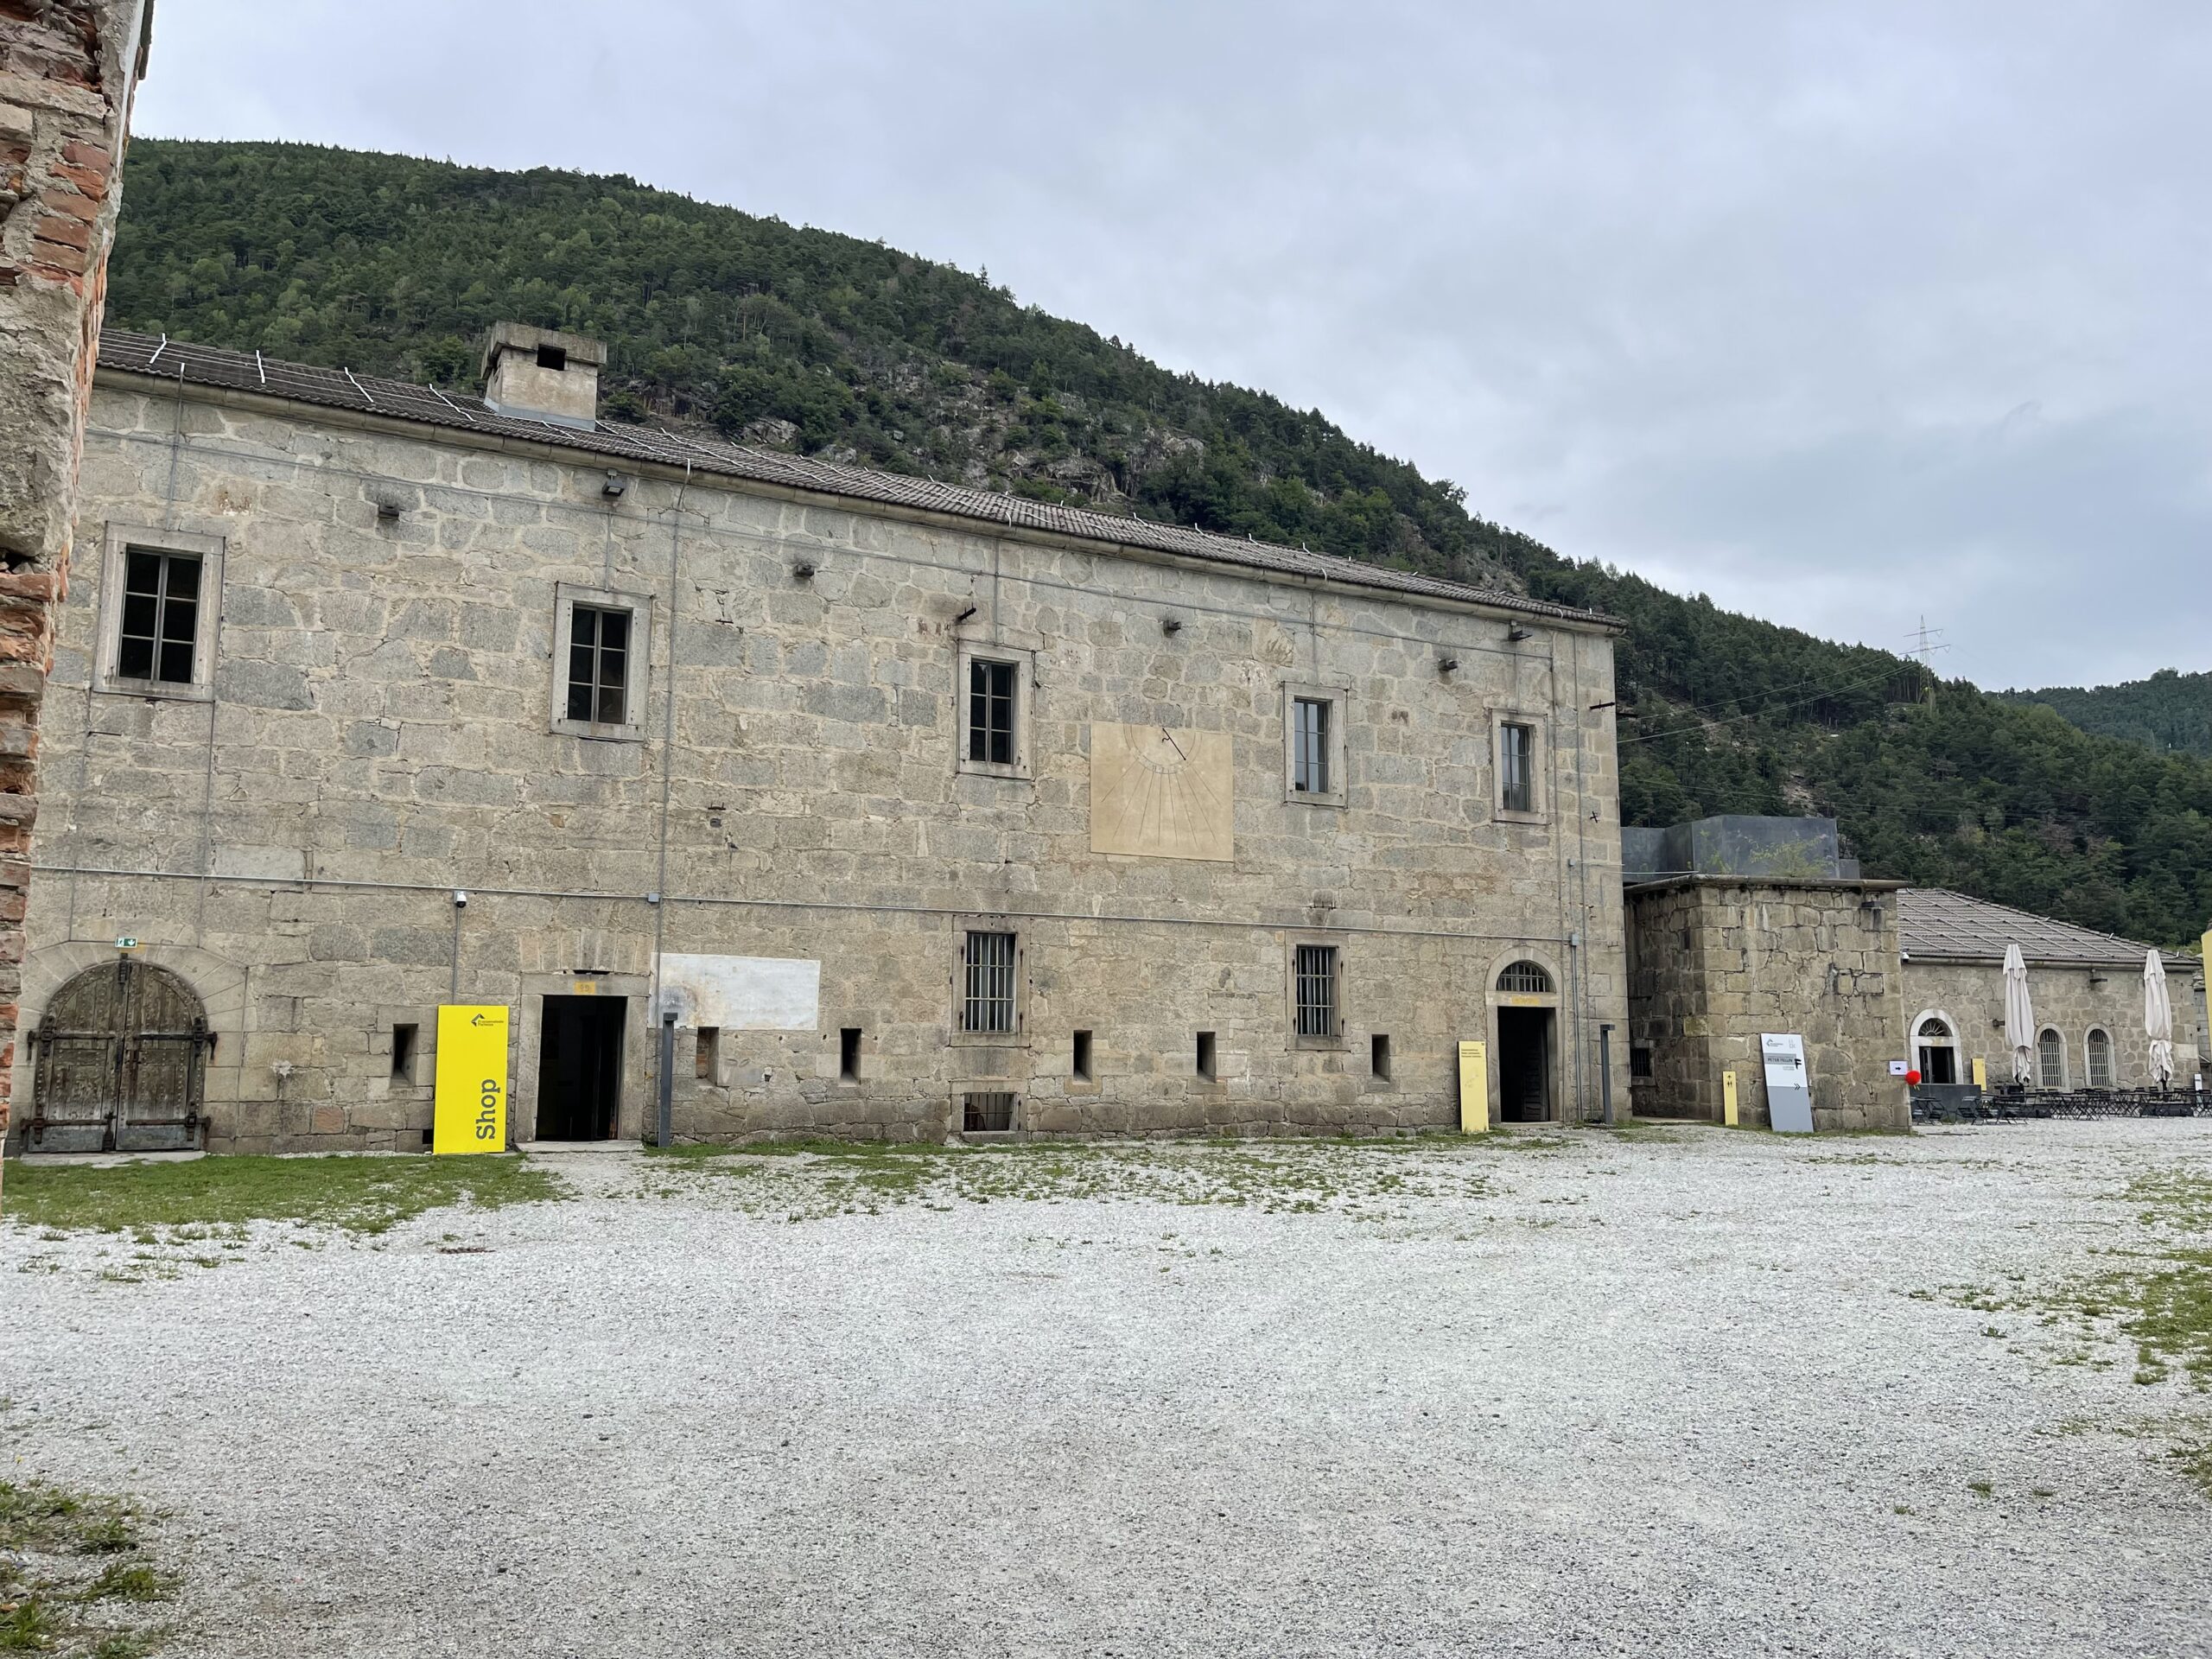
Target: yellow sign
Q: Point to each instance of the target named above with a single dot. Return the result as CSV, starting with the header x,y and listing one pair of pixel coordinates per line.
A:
x,y
1474,1088
1728,1098
1980,1072
471,1110
1527,1001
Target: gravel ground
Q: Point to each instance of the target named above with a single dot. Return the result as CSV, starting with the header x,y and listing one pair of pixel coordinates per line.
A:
x,y
1668,1396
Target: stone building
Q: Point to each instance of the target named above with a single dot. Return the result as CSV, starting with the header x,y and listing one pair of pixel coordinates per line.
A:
x,y
69,70
2085,988
1742,926
918,809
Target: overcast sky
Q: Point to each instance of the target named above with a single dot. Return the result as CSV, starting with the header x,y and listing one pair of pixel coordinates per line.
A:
x,y
1840,312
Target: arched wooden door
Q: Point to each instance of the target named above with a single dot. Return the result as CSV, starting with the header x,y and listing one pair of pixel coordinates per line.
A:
x,y
120,1059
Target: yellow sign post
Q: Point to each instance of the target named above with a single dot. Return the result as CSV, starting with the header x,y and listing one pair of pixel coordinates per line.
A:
x,y
1728,1098
470,1114
1980,1072
1474,1088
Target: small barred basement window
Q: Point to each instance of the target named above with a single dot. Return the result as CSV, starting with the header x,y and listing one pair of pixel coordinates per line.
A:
x,y
986,1113
1639,1061
1315,969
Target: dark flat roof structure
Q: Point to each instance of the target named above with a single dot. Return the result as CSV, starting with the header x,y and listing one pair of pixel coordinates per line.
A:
x,y
123,352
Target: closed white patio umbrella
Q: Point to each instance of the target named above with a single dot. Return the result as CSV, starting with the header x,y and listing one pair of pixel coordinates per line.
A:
x,y
2019,1016
2158,1019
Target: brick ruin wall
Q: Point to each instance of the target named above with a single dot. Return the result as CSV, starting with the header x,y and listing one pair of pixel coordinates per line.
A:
x,y
1713,965
67,68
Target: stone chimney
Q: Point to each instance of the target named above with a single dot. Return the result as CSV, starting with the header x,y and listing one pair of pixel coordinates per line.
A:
x,y
541,374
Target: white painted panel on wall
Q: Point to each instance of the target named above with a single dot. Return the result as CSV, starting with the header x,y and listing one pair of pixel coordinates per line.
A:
x,y
742,993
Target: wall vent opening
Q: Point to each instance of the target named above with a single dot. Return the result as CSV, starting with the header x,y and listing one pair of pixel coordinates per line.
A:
x,y
709,1046
1378,1056
849,1054
986,1113
1205,1055
402,1052
1081,1066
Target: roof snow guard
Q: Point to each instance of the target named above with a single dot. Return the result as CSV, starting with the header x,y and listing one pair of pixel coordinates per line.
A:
x,y
123,352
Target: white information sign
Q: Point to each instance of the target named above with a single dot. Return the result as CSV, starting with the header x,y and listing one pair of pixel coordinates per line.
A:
x,y
1789,1087
1899,1068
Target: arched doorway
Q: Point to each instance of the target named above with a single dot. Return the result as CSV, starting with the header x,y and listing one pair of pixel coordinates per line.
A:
x,y
121,1054
1528,1004
1937,1051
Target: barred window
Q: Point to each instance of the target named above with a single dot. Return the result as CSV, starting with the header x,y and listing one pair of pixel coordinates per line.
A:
x,y
2050,1059
1309,738
160,626
1516,768
987,1004
986,1113
2100,1048
1316,973
1529,978
1639,1062
599,665
991,695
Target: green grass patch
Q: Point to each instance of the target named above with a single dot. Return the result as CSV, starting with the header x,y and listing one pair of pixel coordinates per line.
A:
x,y
76,1579
356,1194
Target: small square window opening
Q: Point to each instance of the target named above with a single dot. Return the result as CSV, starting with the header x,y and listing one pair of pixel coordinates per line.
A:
x,y
553,357
403,1052
1316,975
1309,738
987,1004
1205,1057
161,616
599,665
1080,1065
849,1054
702,1059
992,689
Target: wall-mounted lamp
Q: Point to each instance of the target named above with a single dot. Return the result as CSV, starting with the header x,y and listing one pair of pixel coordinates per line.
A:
x,y
614,485
964,616
802,572
387,510
1516,634
1170,625
1447,664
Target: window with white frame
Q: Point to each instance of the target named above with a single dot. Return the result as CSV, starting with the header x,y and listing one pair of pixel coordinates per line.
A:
x,y
1517,764
2098,1053
160,594
1313,745
2051,1058
993,697
602,646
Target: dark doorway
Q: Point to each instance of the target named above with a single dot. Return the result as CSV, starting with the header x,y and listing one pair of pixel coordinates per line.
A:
x,y
1525,1065
580,1067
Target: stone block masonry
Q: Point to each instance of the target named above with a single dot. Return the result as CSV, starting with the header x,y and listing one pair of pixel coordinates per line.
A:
x,y
68,71
390,713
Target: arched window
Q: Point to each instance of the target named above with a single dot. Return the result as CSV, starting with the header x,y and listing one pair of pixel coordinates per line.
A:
x,y
2050,1059
1525,977
1939,1054
2099,1053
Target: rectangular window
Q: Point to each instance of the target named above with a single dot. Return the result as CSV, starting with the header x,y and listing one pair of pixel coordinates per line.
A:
x,y
160,631
991,694
1378,1057
1205,1057
988,1004
702,1059
986,1113
402,1052
1516,768
1316,972
1080,1067
1639,1061
849,1054
599,666
1309,740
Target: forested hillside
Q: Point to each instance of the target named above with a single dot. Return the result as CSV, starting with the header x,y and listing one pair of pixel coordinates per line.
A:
x,y
828,343
2170,710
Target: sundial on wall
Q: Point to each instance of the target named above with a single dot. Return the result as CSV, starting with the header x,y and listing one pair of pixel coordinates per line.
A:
x,y
1162,793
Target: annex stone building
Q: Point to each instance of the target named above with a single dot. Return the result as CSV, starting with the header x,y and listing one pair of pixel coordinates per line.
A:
x,y
918,810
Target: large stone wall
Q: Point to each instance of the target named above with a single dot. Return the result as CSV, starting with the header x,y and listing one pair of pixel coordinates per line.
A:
x,y
1716,961
376,735
67,69
2072,999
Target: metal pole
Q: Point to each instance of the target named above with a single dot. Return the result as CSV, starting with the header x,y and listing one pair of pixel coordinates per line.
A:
x,y
1606,1069
665,1130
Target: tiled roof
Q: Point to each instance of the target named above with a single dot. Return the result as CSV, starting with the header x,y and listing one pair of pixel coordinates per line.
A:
x,y
122,350
1935,922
